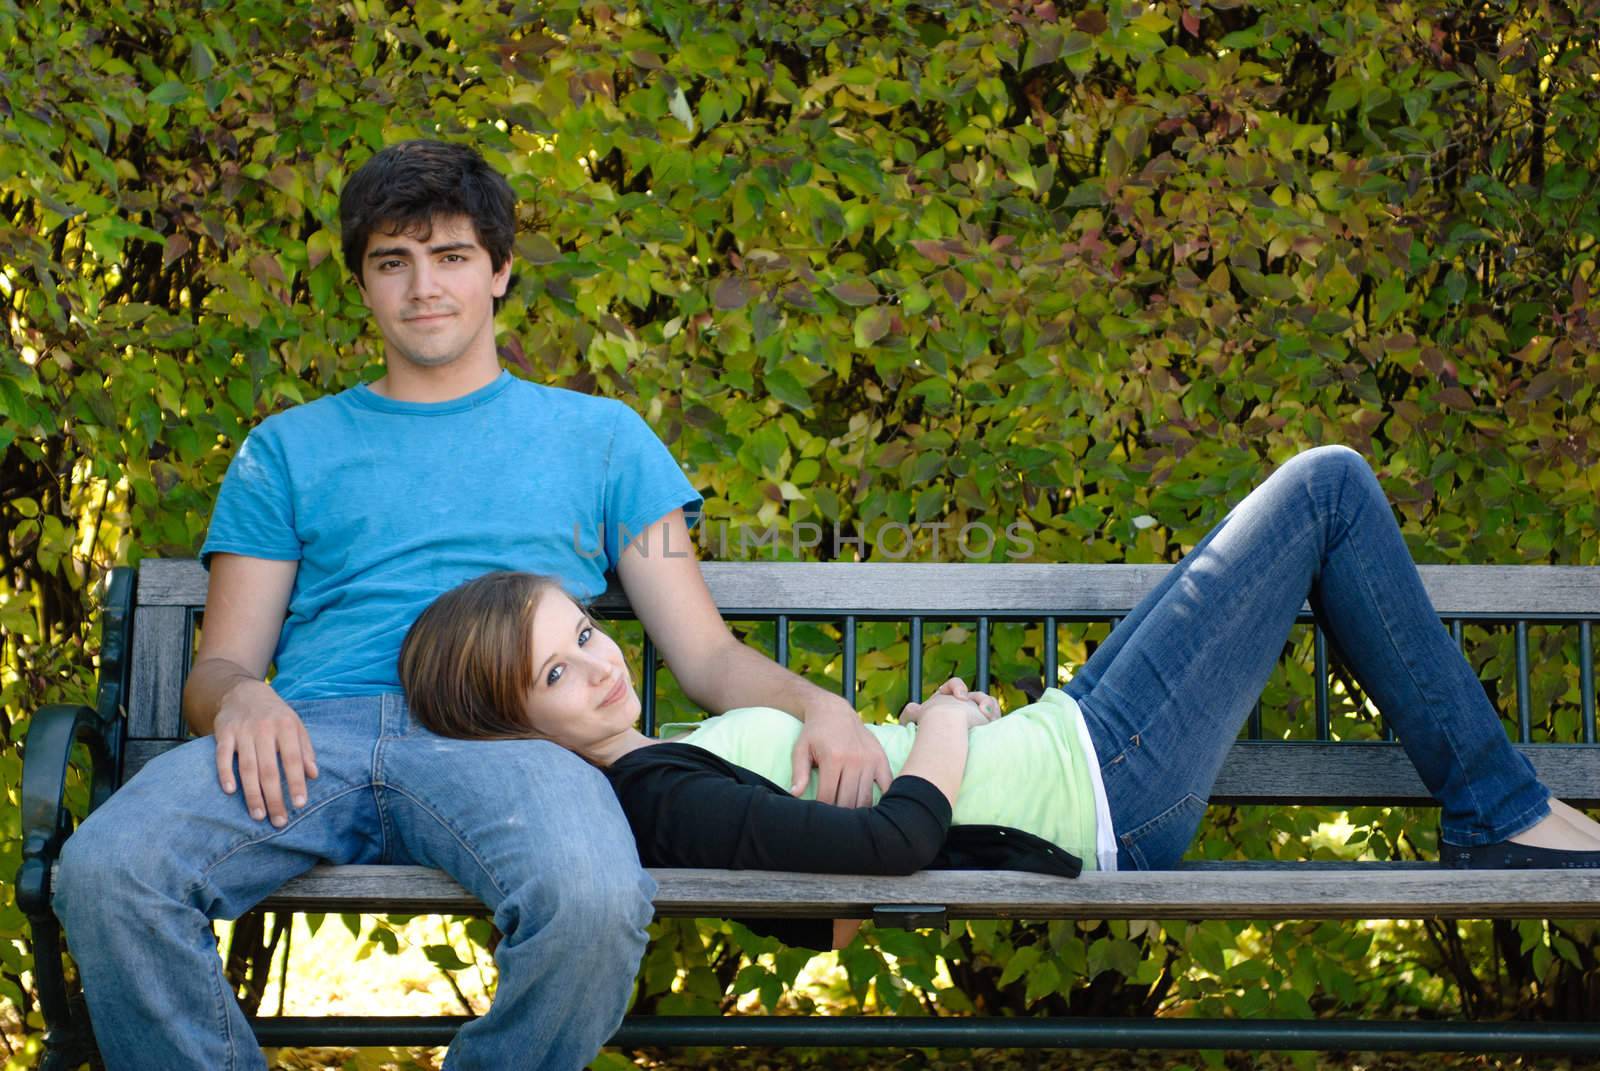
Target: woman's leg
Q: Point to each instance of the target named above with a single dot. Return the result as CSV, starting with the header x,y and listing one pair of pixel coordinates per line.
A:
x,y
1165,696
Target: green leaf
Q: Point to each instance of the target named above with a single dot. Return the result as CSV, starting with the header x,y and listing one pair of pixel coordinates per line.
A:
x,y
169,93
788,390
1019,964
871,325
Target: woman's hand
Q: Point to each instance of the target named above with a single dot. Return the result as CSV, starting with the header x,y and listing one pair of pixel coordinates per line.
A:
x,y
982,708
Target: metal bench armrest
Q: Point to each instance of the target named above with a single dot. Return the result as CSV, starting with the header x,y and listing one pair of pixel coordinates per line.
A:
x,y
46,822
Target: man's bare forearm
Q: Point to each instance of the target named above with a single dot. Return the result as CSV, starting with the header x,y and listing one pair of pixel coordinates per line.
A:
x,y
209,682
736,675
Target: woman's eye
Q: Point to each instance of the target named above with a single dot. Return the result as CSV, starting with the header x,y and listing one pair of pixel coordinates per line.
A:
x,y
583,636
554,675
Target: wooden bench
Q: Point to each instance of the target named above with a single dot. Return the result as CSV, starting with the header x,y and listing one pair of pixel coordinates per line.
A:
x,y
148,634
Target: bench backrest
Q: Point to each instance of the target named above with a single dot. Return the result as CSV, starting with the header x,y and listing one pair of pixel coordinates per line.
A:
x,y
169,600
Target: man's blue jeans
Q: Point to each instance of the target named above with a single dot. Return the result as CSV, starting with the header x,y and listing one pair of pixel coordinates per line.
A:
x,y
1165,696
530,829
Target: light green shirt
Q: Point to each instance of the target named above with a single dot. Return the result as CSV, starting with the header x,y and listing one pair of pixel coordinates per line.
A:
x,y
1026,770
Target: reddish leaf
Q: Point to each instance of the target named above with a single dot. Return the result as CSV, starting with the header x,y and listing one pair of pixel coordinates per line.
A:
x,y
1091,22
798,295
1455,398
1191,22
512,351
733,292
954,285
858,292
933,249
266,269
177,246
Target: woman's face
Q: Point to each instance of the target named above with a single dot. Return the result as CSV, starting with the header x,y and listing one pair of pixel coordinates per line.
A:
x,y
582,693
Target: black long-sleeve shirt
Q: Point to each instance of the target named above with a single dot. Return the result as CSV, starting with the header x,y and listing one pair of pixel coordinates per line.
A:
x,y
690,808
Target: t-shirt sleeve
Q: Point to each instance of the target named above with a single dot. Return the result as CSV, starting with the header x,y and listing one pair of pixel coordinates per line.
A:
x,y
704,818
254,514
643,484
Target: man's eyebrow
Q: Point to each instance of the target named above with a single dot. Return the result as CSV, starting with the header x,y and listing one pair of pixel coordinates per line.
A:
x,y
583,623
402,251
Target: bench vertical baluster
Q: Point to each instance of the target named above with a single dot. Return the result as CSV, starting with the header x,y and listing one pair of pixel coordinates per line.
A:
x,y
1319,646
914,663
1052,670
1524,700
849,688
1586,678
781,644
983,654
649,713
1459,634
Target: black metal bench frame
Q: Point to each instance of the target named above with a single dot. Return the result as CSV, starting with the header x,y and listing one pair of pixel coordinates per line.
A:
x,y
149,622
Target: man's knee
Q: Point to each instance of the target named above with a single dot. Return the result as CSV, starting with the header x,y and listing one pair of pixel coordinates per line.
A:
x,y
584,899
96,870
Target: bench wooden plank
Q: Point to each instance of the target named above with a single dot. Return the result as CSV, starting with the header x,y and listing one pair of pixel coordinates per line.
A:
x,y
958,587
1233,891
161,642
1346,775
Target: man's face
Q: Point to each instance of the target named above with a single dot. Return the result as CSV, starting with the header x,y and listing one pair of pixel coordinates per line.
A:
x,y
433,300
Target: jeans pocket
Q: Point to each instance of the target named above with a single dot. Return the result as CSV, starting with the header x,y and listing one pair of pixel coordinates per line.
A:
x,y
1159,843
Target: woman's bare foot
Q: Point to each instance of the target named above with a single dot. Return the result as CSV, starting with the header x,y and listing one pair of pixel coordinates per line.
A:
x,y
1564,827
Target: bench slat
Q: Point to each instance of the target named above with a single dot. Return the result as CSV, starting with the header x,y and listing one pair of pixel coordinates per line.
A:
x,y
958,587
1292,891
1298,773
161,642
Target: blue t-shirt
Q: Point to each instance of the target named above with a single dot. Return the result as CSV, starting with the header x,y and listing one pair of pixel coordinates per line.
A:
x,y
387,504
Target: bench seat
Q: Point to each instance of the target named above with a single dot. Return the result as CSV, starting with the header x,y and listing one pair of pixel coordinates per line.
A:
x,y
1201,890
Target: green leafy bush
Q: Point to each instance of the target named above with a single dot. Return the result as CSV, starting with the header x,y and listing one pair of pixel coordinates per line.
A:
x,y
860,264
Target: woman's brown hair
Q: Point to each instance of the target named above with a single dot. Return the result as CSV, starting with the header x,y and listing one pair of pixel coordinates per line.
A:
x,y
467,662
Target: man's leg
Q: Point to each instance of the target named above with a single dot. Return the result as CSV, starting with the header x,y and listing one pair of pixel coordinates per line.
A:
x,y
142,878
537,834
1166,695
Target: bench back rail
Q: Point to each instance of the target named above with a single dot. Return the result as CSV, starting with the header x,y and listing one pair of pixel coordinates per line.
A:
x,y
171,600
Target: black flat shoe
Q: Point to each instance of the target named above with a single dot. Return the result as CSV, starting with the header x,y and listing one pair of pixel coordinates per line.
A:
x,y
1509,856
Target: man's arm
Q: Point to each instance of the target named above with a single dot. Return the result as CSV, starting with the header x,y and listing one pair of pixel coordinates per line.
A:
x,y
718,672
227,696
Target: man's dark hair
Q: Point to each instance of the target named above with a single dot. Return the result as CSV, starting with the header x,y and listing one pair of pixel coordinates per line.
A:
x,y
404,187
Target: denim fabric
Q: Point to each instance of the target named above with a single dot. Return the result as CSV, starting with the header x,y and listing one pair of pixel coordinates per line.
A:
x,y
529,828
1165,696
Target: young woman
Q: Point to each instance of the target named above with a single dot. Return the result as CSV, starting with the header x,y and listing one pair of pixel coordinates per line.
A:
x,y
1114,771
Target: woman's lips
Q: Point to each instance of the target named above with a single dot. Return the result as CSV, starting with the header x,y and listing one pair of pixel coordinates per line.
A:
x,y
616,693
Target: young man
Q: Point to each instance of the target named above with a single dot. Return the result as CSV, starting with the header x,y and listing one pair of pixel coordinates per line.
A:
x,y
338,522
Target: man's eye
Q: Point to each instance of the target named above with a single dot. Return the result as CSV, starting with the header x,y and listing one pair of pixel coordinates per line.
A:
x,y
554,675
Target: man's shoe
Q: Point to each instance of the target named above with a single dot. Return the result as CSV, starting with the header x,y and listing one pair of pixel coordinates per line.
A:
x,y
1508,856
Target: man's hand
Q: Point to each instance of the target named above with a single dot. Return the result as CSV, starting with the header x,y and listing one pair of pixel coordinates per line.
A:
x,y
263,733
848,758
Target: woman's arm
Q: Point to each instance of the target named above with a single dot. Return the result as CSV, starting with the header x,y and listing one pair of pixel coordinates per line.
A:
x,y
939,754
689,808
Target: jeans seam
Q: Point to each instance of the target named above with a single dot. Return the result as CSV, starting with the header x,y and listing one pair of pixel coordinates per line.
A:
x,y
219,1003
1389,637
251,842
457,835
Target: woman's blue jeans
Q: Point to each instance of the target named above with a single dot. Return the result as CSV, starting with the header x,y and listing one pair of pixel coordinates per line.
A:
x,y
529,828
1165,696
